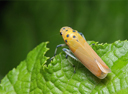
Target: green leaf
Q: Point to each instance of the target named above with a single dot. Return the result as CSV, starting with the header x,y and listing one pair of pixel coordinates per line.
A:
x,y
35,77
26,78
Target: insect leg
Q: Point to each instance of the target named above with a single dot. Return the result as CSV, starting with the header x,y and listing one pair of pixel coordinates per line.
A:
x,y
60,45
93,44
82,35
68,52
66,56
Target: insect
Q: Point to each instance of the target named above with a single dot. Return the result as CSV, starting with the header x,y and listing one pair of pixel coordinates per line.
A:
x,y
82,52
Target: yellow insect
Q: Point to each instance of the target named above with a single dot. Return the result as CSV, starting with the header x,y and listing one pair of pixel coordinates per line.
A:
x,y
83,52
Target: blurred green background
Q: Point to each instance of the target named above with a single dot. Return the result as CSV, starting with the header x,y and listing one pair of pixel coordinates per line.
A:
x,y
25,24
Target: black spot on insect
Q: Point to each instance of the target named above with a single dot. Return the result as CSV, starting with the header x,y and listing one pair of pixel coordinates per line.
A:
x,y
74,36
60,33
66,41
67,35
77,40
74,31
66,30
63,28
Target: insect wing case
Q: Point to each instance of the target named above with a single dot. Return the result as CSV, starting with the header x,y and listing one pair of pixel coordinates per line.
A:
x,y
88,56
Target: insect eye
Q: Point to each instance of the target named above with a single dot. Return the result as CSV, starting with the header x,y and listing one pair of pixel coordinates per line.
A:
x,y
66,41
60,33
